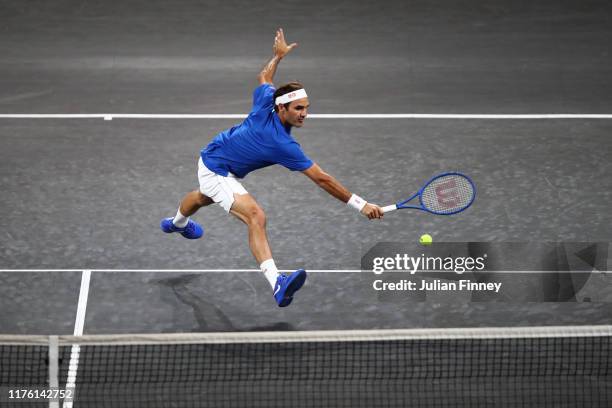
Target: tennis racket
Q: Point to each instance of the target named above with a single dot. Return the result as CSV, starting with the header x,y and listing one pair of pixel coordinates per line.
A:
x,y
444,194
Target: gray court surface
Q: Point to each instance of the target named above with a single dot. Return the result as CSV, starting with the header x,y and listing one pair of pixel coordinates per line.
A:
x,y
89,194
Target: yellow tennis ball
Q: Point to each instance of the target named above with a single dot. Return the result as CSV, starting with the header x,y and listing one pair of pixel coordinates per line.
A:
x,y
426,239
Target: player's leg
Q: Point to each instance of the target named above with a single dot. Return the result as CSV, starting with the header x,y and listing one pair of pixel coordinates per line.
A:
x,y
191,203
231,195
181,223
246,209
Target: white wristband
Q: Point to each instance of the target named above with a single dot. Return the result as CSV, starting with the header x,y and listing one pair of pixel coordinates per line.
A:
x,y
356,202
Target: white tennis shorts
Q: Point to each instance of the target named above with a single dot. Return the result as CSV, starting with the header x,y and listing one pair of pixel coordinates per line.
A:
x,y
220,189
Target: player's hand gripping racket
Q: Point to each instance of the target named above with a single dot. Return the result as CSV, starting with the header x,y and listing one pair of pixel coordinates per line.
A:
x,y
444,194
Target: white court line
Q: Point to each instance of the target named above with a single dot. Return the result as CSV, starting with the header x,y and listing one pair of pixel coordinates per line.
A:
x,y
111,116
79,324
280,270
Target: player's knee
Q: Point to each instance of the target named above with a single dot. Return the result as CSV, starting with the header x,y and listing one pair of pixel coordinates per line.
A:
x,y
257,216
202,200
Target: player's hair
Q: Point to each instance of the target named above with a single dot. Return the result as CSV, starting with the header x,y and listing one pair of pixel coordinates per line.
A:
x,y
285,89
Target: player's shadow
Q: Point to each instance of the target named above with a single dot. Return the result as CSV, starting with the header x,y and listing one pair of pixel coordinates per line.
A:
x,y
208,316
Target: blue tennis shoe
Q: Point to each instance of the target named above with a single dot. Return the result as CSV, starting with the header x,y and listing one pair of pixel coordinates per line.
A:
x,y
287,285
191,231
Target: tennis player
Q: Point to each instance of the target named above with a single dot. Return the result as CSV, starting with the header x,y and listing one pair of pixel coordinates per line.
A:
x,y
261,140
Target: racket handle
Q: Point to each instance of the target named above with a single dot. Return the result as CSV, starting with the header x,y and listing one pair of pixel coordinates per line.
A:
x,y
389,208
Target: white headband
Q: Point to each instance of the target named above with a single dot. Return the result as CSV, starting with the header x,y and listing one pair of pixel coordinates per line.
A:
x,y
291,96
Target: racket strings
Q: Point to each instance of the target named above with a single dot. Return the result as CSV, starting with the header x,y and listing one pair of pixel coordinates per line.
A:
x,y
447,194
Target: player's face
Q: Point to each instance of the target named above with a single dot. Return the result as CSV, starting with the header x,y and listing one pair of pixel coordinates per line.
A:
x,y
296,112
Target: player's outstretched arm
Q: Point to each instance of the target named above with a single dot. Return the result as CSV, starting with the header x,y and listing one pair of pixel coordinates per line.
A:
x,y
333,187
280,49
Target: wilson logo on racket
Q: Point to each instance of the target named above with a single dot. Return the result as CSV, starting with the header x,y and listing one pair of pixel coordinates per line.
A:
x,y
444,194
447,193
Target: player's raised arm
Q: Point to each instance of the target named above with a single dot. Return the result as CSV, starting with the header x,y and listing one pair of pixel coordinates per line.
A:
x,y
333,187
279,49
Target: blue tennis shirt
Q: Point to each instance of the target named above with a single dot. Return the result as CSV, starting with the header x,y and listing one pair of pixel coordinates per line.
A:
x,y
261,140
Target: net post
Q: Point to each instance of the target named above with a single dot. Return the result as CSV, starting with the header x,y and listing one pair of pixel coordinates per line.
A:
x,y
53,369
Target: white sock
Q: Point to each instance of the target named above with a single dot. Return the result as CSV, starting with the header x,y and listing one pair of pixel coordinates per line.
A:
x,y
268,267
180,220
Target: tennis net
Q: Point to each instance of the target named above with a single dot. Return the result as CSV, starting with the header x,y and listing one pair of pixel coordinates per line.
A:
x,y
501,367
